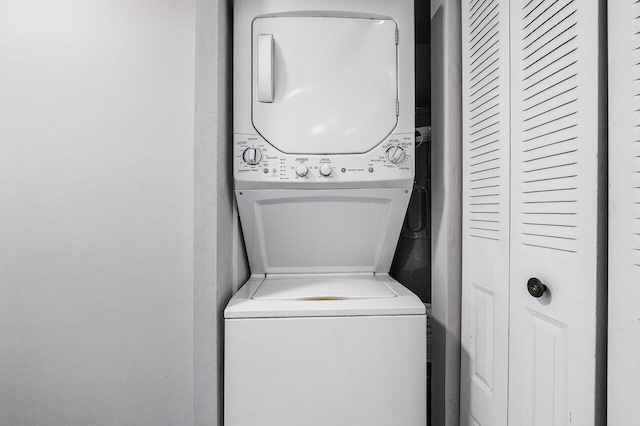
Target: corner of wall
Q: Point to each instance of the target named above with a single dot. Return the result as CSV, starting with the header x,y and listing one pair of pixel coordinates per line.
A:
x,y
214,221
446,210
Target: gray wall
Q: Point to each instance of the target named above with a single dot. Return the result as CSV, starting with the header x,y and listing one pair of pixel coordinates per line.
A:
x,y
220,265
446,205
119,247
96,212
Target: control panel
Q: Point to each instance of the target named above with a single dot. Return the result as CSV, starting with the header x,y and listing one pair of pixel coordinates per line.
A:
x,y
257,164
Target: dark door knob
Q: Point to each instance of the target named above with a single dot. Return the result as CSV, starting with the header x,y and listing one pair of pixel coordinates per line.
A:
x,y
535,287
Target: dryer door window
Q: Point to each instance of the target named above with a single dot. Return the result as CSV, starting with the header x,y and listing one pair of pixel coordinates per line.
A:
x,y
324,85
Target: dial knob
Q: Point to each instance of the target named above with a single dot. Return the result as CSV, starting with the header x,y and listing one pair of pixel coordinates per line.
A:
x,y
252,156
325,170
302,170
396,154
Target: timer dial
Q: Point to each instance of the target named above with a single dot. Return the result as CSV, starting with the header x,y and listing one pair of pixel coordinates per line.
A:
x,y
252,156
396,154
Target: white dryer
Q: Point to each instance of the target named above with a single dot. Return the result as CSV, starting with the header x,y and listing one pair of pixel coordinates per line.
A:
x,y
323,165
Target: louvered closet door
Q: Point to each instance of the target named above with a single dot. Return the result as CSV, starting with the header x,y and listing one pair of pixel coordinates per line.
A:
x,y
624,212
556,227
485,274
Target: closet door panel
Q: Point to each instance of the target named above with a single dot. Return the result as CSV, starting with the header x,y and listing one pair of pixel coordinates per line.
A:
x,y
624,212
485,274
557,222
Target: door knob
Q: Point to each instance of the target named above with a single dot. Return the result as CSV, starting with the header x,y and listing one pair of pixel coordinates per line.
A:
x,y
535,287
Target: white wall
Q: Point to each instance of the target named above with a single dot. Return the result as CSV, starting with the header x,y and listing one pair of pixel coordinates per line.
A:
x,y
446,209
96,212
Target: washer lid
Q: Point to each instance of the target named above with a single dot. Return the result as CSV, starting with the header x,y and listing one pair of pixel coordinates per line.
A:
x,y
324,85
321,231
322,288
322,296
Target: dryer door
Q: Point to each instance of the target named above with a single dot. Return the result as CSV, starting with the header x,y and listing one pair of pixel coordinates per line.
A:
x,y
324,85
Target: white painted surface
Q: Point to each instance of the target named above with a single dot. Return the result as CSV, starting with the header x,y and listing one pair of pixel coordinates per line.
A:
x,y
623,352
342,371
96,182
335,83
446,205
485,241
558,218
552,82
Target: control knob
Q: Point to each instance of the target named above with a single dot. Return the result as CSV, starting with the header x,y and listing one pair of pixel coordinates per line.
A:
x,y
325,170
302,170
252,156
396,154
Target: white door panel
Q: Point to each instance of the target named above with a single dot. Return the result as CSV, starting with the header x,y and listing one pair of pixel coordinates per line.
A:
x,y
624,212
556,201
485,274
324,85
534,209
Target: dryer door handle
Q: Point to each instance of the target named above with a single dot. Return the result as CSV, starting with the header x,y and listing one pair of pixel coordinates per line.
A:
x,y
265,68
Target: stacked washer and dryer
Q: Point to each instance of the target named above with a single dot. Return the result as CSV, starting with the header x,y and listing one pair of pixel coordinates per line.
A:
x,y
323,157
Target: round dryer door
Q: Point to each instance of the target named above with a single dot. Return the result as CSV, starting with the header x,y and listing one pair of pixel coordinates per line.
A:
x,y
324,85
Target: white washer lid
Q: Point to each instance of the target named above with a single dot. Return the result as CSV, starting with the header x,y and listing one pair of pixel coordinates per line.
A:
x,y
321,288
321,231
321,296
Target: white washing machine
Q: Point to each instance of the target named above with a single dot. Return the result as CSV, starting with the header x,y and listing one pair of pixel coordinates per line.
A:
x,y
323,156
